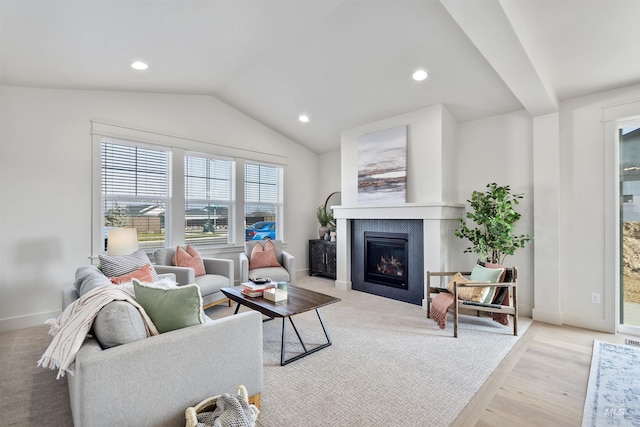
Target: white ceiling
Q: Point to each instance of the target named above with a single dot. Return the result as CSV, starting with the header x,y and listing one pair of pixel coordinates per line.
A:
x,y
342,62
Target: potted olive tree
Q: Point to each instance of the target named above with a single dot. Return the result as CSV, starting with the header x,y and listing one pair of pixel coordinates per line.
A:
x,y
494,216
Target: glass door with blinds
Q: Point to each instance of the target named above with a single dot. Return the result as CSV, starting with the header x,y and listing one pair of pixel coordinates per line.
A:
x,y
629,149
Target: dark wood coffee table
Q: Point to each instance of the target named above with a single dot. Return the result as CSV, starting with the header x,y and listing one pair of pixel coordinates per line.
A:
x,y
298,301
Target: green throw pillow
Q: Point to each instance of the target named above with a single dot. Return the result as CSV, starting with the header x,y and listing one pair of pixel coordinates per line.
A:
x,y
484,274
170,307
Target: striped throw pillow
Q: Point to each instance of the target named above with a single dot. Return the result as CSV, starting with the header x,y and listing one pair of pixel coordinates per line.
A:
x,y
119,265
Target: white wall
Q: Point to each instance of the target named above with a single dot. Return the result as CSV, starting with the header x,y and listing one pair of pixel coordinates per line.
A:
x,y
581,164
546,217
450,141
45,181
499,149
424,154
329,175
589,209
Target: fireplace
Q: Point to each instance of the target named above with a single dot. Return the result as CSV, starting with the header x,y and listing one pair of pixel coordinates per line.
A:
x,y
431,244
385,259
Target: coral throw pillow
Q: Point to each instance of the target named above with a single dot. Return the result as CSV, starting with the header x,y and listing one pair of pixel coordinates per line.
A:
x,y
262,257
189,258
143,274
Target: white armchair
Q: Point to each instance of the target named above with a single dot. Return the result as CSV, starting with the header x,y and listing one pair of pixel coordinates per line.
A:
x,y
286,273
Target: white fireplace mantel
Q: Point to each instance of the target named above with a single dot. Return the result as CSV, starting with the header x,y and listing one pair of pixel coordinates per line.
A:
x,y
439,221
426,211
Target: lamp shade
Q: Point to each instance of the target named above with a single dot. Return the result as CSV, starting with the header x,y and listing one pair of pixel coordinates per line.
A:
x,y
122,241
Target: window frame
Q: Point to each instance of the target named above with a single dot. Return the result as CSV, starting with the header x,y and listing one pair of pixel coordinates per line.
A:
x,y
137,198
179,146
230,203
278,205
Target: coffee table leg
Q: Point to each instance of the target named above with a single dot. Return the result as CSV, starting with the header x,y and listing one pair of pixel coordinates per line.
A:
x,y
299,338
326,334
306,352
284,338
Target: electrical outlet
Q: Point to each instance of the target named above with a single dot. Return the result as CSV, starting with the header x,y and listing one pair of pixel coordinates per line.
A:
x,y
595,298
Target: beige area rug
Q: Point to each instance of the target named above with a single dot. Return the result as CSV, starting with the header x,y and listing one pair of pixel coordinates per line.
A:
x,y
389,364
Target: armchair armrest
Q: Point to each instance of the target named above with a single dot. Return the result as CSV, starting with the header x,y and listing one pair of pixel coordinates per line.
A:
x,y
184,275
222,267
244,267
485,284
492,307
289,264
431,274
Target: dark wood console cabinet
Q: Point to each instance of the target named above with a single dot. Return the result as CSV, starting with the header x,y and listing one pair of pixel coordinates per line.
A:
x,y
322,258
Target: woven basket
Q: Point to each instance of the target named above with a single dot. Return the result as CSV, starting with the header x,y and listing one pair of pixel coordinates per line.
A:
x,y
191,413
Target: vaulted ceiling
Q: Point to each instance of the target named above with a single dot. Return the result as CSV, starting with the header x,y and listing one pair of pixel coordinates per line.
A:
x,y
342,62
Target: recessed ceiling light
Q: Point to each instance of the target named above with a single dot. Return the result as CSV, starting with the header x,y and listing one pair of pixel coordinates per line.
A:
x,y
304,118
419,75
139,65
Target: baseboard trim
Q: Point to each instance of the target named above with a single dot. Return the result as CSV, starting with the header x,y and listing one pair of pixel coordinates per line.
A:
x,y
21,322
546,316
343,286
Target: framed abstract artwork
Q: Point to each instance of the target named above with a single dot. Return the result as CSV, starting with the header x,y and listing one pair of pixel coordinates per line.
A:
x,y
382,167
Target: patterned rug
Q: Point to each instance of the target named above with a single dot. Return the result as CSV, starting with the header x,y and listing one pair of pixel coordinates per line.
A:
x,y
613,394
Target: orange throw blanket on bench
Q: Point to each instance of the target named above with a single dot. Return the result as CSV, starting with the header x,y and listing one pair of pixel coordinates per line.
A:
x,y
439,307
442,301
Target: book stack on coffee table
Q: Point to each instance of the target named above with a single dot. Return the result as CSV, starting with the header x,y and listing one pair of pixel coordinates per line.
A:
x,y
251,289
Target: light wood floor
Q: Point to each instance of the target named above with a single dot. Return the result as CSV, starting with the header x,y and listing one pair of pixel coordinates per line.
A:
x,y
542,382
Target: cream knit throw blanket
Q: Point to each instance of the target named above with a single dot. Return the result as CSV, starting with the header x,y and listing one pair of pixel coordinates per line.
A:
x,y
73,324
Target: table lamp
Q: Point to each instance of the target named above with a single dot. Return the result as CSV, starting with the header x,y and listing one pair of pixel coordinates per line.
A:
x,y
122,241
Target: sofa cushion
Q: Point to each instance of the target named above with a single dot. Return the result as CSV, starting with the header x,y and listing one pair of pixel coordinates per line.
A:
x,y
117,265
277,244
276,274
118,323
491,265
189,257
483,274
88,278
172,307
263,256
164,256
211,283
477,294
143,274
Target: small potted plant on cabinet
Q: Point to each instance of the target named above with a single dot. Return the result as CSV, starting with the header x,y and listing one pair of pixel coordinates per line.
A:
x,y
324,218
